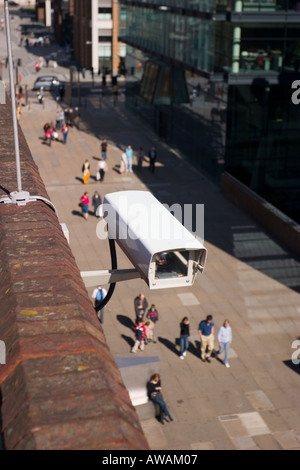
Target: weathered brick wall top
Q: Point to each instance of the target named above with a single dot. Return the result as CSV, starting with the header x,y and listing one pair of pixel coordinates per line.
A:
x,y
60,386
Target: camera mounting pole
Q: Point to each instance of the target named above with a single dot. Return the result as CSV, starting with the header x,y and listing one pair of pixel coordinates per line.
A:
x,y
94,278
19,197
13,96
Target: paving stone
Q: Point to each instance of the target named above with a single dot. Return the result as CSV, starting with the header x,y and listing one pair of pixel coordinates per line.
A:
x,y
245,443
259,400
188,299
202,446
267,442
288,440
254,423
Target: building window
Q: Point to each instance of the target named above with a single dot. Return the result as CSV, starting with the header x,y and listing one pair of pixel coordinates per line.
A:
x,y
104,39
104,13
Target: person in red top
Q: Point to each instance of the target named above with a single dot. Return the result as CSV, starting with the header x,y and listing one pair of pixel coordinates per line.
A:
x,y
140,334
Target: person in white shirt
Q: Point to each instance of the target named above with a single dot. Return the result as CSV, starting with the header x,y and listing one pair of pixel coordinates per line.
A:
x,y
225,339
99,294
102,168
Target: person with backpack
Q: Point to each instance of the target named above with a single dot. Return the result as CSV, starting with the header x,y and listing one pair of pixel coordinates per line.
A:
x,y
140,335
99,294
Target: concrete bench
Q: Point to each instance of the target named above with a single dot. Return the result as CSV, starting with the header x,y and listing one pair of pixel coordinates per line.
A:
x,y
136,372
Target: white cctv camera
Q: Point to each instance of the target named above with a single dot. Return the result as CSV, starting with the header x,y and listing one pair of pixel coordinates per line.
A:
x,y
162,250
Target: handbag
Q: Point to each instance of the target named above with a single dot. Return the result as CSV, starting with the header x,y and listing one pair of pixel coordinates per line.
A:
x,y
98,176
155,395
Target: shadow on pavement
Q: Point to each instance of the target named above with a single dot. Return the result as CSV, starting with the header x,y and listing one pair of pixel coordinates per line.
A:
x,y
77,213
291,365
126,321
169,344
128,340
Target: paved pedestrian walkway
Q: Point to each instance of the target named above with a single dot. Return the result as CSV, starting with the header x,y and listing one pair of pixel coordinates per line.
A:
x,y
249,279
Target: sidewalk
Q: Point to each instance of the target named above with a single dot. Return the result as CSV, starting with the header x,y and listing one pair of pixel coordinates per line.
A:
x,y
249,279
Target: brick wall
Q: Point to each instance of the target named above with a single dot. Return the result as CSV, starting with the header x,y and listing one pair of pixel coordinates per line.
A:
x,y
60,387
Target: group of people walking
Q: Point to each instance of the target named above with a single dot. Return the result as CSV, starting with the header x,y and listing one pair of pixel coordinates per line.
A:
x,y
127,158
101,169
64,119
51,132
96,202
206,334
144,323
144,326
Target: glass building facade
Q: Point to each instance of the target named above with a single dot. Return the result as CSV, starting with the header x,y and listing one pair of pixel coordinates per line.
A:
x,y
232,108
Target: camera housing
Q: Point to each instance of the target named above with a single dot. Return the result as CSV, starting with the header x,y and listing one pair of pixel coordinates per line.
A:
x,y
163,251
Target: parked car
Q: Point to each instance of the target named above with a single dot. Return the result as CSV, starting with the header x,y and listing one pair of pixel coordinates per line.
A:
x,y
48,82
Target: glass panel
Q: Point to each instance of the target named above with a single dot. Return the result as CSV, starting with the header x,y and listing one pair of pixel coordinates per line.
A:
x,y
185,39
170,265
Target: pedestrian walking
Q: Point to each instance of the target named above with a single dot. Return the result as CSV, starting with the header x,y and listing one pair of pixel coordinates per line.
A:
x,y
154,390
96,201
206,333
225,339
140,306
76,117
84,202
140,158
152,315
104,146
66,111
37,67
184,336
152,159
71,117
101,170
140,335
65,131
49,134
61,118
129,153
149,331
123,163
85,171
18,111
99,295
40,95
45,128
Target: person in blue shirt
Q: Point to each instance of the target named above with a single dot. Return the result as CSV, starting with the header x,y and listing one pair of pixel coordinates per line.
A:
x,y
129,153
206,333
98,295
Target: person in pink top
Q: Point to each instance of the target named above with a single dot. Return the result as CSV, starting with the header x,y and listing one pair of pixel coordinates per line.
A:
x,y
85,200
